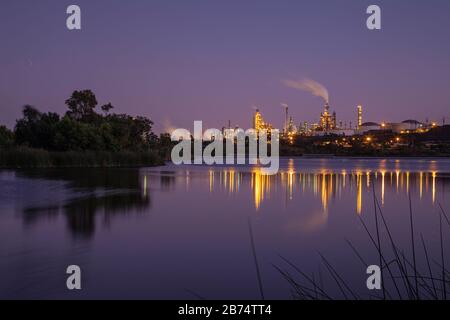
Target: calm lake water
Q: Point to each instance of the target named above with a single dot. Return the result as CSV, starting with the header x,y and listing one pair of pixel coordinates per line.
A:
x,y
181,232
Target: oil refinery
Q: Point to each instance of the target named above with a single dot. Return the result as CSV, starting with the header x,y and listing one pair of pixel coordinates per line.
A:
x,y
328,125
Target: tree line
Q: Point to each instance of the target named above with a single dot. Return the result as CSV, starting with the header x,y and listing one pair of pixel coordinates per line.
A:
x,y
82,128
93,134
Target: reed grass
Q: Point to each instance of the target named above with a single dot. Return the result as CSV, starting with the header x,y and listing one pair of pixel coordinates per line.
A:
x,y
403,273
23,157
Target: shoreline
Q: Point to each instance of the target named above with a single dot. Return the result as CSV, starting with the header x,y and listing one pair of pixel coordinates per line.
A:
x,y
318,156
165,163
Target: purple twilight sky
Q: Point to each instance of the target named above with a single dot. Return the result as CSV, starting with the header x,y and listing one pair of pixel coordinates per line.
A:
x,y
185,60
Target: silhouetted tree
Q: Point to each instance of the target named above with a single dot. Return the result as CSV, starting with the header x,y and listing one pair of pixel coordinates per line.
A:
x,y
107,107
81,105
165,145
36,129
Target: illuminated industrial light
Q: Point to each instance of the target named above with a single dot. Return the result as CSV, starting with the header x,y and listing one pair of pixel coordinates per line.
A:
x,y
368,139
397,139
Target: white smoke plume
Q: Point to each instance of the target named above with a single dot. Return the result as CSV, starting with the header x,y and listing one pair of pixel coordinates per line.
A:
x,y
309,85
168,127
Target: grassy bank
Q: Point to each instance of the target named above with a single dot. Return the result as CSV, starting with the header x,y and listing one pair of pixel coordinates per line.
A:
x,y
23,157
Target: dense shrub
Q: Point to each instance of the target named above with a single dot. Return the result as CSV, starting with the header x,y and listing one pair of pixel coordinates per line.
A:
x,y
6,137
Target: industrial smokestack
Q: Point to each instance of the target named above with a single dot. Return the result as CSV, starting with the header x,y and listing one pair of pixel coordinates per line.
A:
x,y
286,117
360,116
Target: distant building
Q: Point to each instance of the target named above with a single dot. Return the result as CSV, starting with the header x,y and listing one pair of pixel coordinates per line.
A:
x,y
327,120
412,124
230,133
405,126
368,126
291,128
343,132
259,124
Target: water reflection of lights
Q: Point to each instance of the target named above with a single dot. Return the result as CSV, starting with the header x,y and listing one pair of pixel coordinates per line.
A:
x,y
433,192
324,185
211,180
407,182
290,183
260,185
397,175
145,186
231,180
228,179
187,180
344,175
421,184
368,179
359,193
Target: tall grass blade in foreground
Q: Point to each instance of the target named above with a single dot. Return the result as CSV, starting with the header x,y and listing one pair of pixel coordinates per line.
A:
x,y
255,258
412,243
